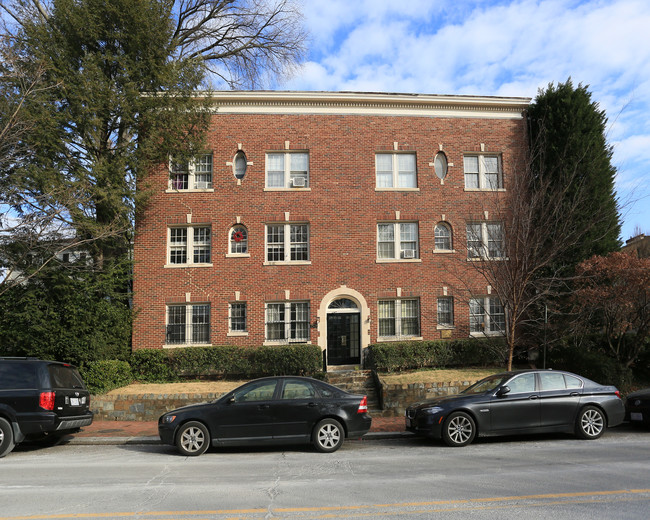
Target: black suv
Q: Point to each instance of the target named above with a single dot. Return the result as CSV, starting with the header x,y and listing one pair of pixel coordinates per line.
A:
x,y
40,400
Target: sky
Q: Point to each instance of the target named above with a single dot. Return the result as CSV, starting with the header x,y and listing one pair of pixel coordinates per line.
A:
x,y
497,48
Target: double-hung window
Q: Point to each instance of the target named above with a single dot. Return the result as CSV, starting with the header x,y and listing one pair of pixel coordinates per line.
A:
x,y
188,324
442,237
399,318
445,312
287,243
189,245
486,316
237,318
485,240
287,170
287,322
482,172
396,170
397,241
195,174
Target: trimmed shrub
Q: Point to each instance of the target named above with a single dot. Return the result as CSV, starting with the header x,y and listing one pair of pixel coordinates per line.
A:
x,y
152,366
103,376
414,355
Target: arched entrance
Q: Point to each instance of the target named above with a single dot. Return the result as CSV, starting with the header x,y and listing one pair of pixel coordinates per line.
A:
x,y
343,332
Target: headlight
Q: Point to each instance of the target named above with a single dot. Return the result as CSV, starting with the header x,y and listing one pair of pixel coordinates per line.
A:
x,y
169,419
432,411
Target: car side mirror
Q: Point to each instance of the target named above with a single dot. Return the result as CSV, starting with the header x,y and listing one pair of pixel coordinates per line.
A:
x,y
231,399
503,391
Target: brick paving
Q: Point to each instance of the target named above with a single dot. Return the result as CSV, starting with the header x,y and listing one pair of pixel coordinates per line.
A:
x,y
150,428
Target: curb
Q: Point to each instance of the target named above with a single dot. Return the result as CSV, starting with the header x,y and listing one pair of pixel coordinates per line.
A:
x,y
149,440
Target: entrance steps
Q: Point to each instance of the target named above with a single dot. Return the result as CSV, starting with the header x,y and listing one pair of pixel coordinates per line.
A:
x,y
357,382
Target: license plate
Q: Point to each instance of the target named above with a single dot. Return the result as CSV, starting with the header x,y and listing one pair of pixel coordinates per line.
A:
x,y
636,416
74,401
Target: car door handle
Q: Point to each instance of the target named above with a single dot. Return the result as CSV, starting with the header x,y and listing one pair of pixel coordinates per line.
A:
x,y
311,405
263,406
574,394
533,397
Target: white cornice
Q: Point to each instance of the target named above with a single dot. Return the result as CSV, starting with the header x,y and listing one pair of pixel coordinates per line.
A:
x,y
358,103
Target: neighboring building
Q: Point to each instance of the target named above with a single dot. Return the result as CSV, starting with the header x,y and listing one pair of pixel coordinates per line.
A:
x,y
338,219
639,245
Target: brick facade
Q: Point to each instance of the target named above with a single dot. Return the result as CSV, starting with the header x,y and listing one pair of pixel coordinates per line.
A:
x,y
342,206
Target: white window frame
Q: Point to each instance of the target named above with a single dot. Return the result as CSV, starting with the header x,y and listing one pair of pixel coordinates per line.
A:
x,y
399,252
484,248
398,318
193,172
287,246
191,246
484,309
189,325
442,324
237,315
287,173
232,243
447,227
395,172
482,175
290,328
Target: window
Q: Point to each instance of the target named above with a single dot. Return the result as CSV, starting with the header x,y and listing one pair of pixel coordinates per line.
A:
x,y
440,165
189,245
287,322
237,317
525,383
445,311
397,240
238,240
287,243
399,318
396,170
487,316
195,174
485,240
188,324
482,172
442,237
287,170
256,391
296,389
239,165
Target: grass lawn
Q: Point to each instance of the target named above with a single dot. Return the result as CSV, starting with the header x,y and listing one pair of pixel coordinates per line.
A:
x,y
441,375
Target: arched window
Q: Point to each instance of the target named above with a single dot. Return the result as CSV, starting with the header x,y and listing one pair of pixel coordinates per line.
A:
x,y
343,303
443,237
440,165
238,240
239,165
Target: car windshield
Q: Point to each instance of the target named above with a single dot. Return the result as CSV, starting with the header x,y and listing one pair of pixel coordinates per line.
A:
x,y
485,385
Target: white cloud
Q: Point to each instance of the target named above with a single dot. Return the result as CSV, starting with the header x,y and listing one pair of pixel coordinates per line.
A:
x,y
509,48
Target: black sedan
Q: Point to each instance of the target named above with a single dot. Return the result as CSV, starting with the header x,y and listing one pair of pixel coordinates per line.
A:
x,y
511,403
271,410
637,407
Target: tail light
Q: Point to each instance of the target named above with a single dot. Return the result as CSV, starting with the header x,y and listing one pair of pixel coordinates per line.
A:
x,y
46,400
618,394
363,405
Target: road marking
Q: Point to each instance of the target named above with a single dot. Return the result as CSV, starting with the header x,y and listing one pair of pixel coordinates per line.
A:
x,y
585,497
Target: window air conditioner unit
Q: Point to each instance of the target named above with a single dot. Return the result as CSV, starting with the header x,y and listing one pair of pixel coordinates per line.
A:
x,y
409,253
298,182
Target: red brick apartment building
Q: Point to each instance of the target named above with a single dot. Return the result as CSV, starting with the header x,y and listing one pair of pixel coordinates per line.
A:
x,y
337,219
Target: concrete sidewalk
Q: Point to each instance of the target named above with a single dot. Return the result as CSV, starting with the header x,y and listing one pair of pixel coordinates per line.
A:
x,y
146,432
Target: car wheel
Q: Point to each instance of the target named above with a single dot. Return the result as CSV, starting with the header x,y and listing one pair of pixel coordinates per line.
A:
x,y
459,430
6,437
591,423
328,435
193,439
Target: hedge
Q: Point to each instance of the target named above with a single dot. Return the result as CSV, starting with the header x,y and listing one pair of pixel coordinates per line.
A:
x,y
413,355
154,365
103,376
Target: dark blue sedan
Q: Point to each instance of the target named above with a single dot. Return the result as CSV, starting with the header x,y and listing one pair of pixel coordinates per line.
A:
x,y
271,410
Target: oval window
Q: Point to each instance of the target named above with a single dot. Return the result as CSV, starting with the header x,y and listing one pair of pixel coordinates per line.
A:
x,y
440,165
240,164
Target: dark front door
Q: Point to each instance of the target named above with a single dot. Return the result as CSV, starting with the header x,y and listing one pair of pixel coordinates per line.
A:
x,y
343,339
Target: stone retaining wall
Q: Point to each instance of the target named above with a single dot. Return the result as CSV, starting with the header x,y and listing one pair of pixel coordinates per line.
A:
x,y
142,407
394,398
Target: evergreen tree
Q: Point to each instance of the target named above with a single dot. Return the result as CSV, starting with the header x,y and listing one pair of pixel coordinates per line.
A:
x,y
569,146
